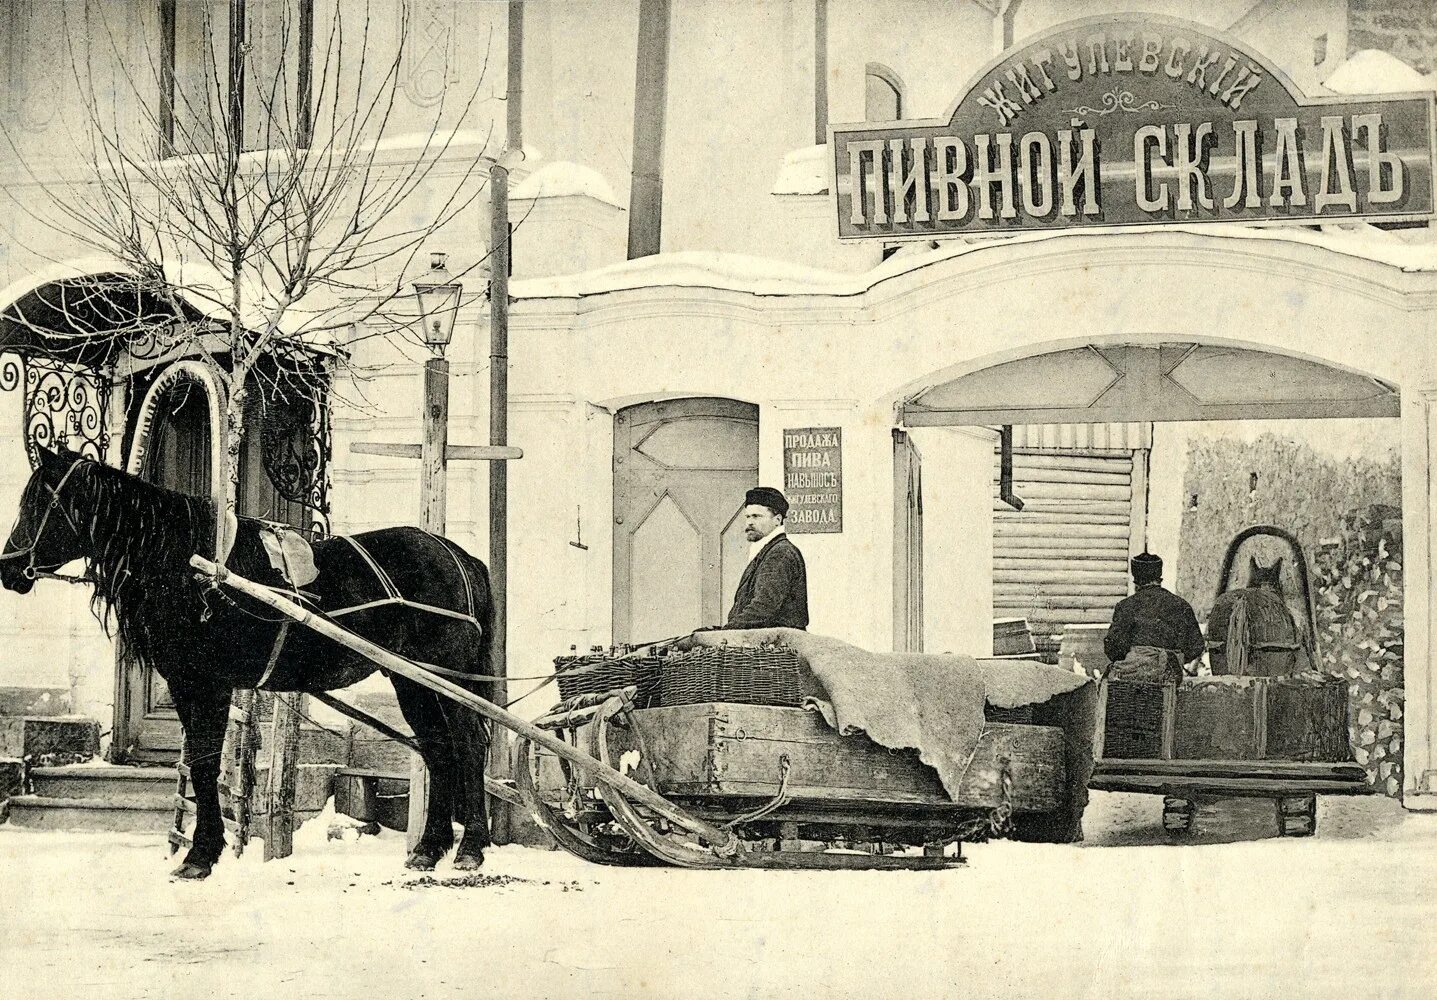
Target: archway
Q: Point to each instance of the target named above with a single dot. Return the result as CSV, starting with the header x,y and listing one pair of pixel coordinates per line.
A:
x,y
1218,434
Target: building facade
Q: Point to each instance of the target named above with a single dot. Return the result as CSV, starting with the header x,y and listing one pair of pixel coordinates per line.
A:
x,y
870,376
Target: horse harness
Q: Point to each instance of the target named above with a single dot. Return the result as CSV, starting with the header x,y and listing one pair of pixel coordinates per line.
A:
x,y
392,597
30,571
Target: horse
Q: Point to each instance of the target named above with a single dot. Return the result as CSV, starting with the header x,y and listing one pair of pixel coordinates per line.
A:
x,y
1252,631
410,591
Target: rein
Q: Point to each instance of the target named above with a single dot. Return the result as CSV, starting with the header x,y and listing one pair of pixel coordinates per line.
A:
x,y
31,572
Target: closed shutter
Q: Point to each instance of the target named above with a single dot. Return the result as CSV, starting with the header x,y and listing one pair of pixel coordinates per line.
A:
x,y
1064,557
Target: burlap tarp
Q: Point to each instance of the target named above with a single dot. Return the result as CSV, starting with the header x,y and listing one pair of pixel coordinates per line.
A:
x,y
934,703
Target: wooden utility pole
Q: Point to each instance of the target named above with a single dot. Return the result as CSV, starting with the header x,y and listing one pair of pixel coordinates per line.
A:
x,y
651,87
500,266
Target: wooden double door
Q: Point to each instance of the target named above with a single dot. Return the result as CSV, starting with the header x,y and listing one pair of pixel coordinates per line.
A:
x,y
681,469
179,456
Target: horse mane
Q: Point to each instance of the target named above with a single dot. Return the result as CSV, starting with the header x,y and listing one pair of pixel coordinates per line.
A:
x,y
141,540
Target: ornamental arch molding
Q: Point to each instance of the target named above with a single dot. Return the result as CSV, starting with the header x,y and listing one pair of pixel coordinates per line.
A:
x,y
180,373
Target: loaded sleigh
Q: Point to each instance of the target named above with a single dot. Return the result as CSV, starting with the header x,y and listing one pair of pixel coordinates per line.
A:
x,y
755,749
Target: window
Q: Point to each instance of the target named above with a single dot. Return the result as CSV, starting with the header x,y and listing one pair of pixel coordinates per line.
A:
x,y
251,56
882,95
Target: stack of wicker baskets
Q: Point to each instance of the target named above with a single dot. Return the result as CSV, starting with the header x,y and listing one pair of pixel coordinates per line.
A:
x,y
600,671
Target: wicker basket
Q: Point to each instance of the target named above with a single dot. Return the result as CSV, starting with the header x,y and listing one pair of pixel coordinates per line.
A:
x,y
747,675
1133,720
597,673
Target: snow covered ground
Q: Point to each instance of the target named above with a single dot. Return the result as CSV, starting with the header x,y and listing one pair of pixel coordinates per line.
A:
x,y
1350,913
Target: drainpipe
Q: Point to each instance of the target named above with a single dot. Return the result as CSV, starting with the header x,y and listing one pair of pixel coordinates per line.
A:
x,y
651,73
820,72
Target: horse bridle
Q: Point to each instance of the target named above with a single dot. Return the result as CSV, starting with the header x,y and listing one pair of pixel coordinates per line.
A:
x,y
30,572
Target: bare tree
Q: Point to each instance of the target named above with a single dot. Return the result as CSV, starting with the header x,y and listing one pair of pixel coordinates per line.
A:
x,y
262,200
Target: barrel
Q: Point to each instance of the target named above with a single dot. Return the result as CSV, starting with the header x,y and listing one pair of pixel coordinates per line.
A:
x,y
1081,649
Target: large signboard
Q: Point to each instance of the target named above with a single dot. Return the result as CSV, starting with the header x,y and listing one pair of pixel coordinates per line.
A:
x,y
1128,120
813,479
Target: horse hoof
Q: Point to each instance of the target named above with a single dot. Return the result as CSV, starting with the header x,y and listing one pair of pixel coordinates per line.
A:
x,y
468,862
421,862
191,872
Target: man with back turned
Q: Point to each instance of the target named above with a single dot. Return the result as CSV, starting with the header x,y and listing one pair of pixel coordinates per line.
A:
x,y
1154,631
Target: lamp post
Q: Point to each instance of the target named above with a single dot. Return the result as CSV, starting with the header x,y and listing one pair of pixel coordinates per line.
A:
x,y
438,294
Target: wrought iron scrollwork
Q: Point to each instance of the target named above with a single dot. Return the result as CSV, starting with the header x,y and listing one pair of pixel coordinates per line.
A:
x,y
64,404
296,454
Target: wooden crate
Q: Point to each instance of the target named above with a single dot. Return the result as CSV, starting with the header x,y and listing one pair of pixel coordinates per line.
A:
x,y
727,750
1297,718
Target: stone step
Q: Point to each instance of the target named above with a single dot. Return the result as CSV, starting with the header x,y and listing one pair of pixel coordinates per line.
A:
x,y
33,736
37,812
150,787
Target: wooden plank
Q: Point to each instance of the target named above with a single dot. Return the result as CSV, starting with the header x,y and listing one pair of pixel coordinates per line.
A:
x,y
1029,556
735,750
1177,785
1062,508
284,764
1053,576
1069,491
1306,770
1029,458
1023,477
1007,529
1013,545
1003,514
1056,594
452,453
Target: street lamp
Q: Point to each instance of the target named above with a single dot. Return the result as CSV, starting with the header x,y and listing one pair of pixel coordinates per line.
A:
x,y
438,294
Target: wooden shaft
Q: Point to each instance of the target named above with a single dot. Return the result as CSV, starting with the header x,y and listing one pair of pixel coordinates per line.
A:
x,y
493,787
724,841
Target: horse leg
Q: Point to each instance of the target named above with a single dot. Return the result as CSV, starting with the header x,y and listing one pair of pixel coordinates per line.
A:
x,y
422,711
204,715
471,744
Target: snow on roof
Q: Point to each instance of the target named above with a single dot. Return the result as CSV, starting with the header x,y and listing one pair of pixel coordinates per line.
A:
x,y
804,171
565,179
760,276
198,283
1372,71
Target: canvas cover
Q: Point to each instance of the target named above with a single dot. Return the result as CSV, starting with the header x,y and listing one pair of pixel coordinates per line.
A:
x,y
934,703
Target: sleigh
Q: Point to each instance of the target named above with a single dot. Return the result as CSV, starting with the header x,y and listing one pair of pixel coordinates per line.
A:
x,y
735,785
1265,727
791,788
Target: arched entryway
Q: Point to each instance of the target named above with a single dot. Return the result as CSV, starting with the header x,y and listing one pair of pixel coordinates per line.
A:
x,y
681,468
1243,434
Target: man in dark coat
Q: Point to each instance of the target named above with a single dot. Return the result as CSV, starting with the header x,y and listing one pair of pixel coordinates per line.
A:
x,y
773,591
1152,624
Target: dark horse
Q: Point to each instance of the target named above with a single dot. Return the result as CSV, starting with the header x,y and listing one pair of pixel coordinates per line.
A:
x,y
203,641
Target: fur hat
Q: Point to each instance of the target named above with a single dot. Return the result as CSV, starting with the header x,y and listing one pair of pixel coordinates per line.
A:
x,y
767,496
1146,567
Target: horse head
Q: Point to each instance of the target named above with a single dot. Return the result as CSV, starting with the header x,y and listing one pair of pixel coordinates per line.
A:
x,y
1262,577
47,533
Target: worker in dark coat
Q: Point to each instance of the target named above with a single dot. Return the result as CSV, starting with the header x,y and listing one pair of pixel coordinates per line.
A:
x,y
773,591
1154,631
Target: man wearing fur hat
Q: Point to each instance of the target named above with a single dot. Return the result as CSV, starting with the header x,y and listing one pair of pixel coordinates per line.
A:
x,y
1154,631
773,591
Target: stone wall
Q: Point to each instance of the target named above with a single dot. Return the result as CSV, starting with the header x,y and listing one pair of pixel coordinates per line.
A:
x,y
1406,29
